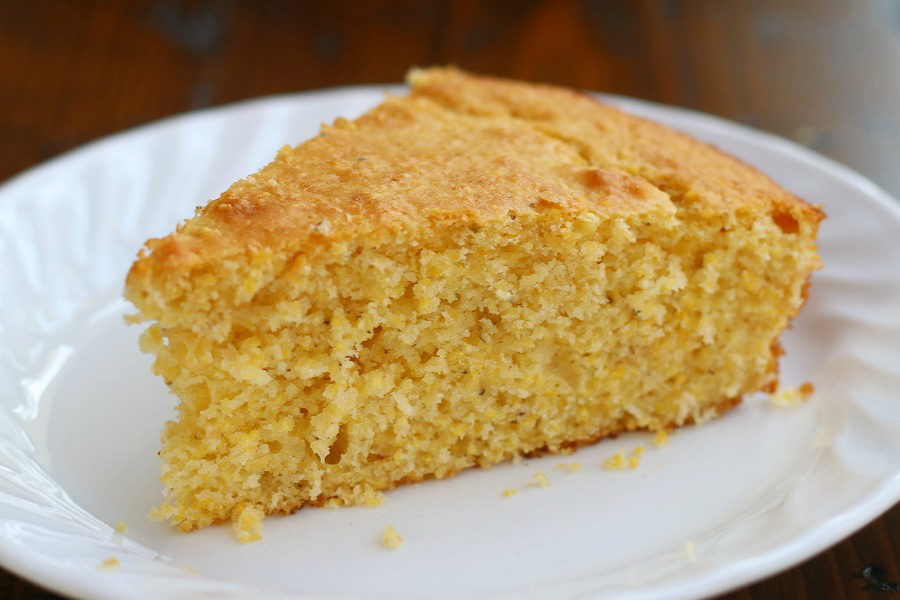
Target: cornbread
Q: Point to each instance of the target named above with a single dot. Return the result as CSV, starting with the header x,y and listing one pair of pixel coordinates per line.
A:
x,y
247,523
109,564
570,467
539,480
480,270
661,439
616,462
390,539
790,397
621,462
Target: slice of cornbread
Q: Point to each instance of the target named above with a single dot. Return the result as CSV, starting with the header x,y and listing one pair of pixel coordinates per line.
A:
x,y
481,270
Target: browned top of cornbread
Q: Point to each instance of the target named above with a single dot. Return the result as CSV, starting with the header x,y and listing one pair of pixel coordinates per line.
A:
x,y
461,147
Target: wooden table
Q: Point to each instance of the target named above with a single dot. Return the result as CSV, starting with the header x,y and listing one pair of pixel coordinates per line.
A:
x,y
825,73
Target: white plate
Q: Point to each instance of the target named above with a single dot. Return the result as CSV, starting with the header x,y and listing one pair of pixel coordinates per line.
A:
x,y
735,500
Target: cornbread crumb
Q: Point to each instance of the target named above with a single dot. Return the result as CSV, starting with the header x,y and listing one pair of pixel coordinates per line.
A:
x,y
372,498
791,397
513,269
620,462
634,460
108,564
248,525
572,467
510,492
121,527
661,439
616,462
539,480
391,539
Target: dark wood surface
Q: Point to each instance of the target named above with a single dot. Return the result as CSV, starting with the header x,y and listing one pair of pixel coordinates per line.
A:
x,y
825,73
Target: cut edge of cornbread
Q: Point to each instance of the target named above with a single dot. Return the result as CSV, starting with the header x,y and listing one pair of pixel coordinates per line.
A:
x,y
482,270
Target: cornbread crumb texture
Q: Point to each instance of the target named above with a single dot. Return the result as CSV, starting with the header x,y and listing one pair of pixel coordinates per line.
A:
x,y
791,397
476,272
616,462
121,527
661,438
572,467
539,480
620,461
510,492
109,564
391,539
248,525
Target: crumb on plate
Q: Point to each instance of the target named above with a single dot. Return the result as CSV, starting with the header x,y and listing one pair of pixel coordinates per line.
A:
x,y
539,480
390,538
621,462
248,526
791,397
572,467
661,439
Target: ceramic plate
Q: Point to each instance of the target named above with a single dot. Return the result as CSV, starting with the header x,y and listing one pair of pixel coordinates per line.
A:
x,y
721,505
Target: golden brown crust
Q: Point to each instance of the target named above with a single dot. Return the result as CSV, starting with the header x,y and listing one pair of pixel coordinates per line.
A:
x,y
505,146
676,163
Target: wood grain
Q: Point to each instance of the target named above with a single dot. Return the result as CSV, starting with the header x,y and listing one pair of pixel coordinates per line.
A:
x,y
823,72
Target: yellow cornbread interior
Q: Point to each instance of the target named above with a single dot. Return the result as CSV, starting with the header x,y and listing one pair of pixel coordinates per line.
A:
x,y
480,270
366,364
